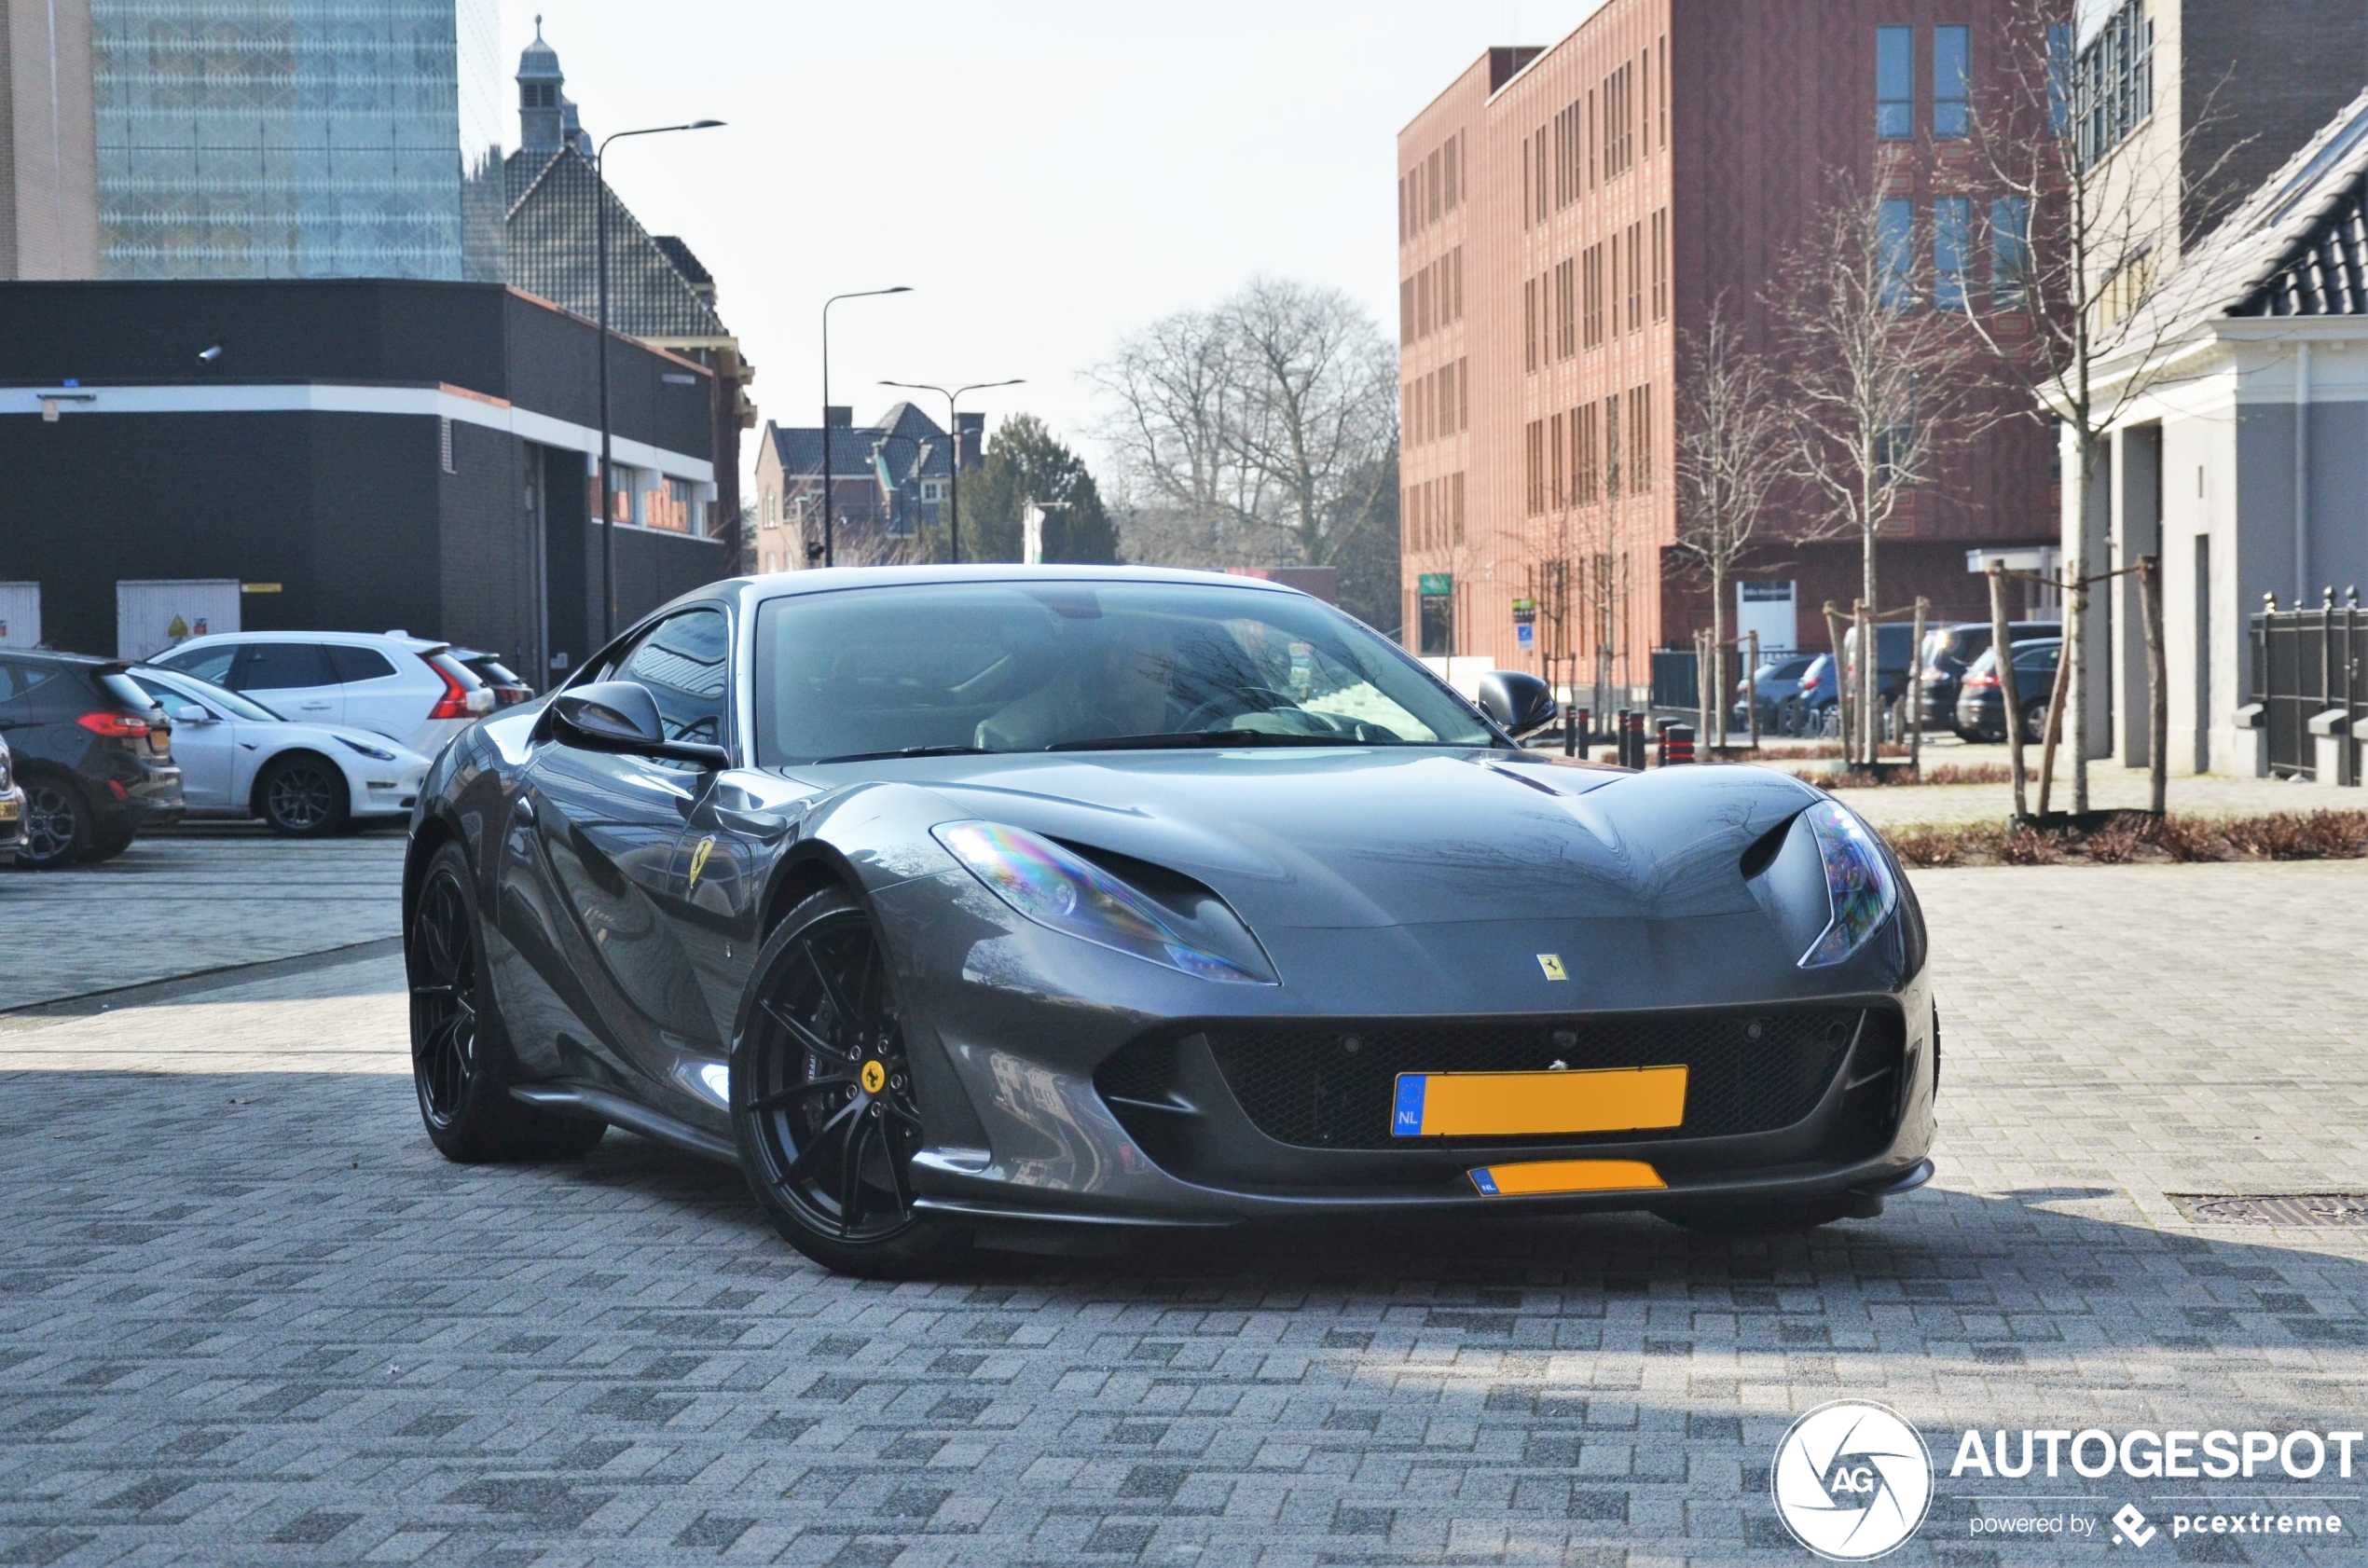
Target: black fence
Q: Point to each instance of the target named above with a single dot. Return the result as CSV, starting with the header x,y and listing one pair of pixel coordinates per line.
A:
x,y
1678,681
2307,662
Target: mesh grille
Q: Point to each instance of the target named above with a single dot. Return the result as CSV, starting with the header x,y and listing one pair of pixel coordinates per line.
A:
x,y
1331,1085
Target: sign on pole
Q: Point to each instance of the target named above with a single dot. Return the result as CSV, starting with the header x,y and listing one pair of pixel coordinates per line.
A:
x,y
1437,584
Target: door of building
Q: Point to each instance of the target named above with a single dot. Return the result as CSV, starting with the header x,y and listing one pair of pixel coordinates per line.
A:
x,y
19,614
1767,609
154,614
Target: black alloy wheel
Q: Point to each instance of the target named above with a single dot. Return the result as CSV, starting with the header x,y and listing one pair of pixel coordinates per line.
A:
x,y
822,1100
459,1056
2035,724
58,827
302,796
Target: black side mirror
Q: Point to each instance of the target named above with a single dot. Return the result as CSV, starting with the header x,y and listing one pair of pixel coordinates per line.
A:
x,y
620,716
1520,704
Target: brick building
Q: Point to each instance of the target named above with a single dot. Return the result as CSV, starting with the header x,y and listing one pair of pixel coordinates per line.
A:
x,y
1568,216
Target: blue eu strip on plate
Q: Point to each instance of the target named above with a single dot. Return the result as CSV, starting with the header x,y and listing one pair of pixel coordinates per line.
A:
x,y
1406,1120
1485,1180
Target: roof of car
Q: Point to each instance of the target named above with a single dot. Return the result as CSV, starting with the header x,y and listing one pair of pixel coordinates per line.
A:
x,y
55,656
827,579
346,639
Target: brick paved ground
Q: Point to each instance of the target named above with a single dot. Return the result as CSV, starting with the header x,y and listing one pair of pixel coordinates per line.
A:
x,y
200,899
247,1315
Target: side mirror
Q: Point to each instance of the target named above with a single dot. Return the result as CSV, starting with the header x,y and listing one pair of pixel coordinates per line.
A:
x,y
620,716
188,713
1520,704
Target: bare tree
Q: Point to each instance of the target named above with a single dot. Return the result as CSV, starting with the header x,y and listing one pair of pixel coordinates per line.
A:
x,y
2077,239
1730,455
1258,424
1878,387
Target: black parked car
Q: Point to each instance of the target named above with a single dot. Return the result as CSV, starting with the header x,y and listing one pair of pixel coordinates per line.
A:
x,y
1950,651
509,687
1776,679
93,752
1810,709
1980,707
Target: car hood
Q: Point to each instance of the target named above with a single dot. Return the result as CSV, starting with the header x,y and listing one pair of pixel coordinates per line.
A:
x,y
1372,838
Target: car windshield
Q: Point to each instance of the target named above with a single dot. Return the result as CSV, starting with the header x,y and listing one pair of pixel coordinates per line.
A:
x,y
188,688
1066,664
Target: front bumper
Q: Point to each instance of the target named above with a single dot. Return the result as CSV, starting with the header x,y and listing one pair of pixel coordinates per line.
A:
x,y
388,793
11,823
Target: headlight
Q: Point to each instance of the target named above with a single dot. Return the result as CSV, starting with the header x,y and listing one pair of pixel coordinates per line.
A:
x,y
372,753
1858,880
1065,893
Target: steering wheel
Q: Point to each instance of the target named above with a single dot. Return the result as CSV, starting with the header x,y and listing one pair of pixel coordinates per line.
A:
x,y
1238,703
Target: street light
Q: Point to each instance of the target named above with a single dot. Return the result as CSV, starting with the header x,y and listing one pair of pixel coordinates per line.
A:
x,y
828,554
954,423
601,230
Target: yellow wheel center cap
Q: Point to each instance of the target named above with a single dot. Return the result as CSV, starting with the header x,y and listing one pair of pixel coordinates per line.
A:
x,y
875,1077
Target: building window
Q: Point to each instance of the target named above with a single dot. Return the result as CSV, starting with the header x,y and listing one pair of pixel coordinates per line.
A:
x,y
1585,480
1402,210
1636,277
1406,310
1660,265
1540,142
1591,292
1566,311
1534,435
444,446
1612,296
1463,394
1595,140
1455,504
1431,190
1529,316
1455,259
1569,181
1452,161
1664,126
1952,111
1895,234
1611,448
1894,83
2060,76
1640,439
2009,253
1423,303
1619,122
1554,454
1952,246
2113,88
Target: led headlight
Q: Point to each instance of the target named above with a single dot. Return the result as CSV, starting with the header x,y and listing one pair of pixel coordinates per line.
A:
x,y
1858,880
374,753
1065,893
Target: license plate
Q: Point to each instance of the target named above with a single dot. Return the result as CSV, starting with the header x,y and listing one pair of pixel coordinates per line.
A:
x,y
1567,1175
1522,1104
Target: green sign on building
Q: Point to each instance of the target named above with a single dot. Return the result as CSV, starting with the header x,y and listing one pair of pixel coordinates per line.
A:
x,y
1437,585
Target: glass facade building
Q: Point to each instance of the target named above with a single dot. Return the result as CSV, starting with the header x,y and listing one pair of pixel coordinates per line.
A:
x,y
299,138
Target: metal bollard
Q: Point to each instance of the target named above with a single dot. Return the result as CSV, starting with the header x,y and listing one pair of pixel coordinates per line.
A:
x,y
1631,738
1576,736
1677,744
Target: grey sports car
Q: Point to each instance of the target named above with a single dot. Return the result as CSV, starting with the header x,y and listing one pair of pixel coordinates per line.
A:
x,y
999,905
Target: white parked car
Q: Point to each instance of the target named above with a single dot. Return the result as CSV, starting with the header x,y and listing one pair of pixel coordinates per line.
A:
x,y
240,759
405,688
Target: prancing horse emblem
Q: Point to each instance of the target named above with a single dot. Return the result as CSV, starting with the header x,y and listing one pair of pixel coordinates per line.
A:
x,y
698,860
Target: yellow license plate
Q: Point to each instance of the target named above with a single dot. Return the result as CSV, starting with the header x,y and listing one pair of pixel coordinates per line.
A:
x,y
1567,1175
1520,1105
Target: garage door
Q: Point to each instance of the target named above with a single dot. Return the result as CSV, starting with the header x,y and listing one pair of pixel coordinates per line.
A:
x,y
19,614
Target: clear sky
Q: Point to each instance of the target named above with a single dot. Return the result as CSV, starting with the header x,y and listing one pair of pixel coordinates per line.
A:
x,y
1046,174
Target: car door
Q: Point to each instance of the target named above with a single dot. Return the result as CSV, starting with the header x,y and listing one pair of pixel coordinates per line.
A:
x,y
204,743
291,679
594,870
376,696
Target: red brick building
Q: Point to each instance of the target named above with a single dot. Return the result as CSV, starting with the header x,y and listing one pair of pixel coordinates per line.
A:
x,y
1567,214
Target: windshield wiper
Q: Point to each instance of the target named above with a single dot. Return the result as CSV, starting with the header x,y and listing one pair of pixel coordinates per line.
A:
x,y
907,751
1198,738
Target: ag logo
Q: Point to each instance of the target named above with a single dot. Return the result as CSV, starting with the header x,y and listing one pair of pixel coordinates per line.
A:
x,y
1852,1481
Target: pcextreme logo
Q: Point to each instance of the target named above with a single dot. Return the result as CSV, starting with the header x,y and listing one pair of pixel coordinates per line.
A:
x,y
1852,1481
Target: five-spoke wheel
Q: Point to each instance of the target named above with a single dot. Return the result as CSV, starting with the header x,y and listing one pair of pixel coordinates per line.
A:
x,y
302,796
822,1096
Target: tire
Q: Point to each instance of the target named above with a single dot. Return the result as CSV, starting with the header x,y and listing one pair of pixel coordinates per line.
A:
x,y
59,827
1970,738
302,795
460,1063
823,1102
1759,1219
2035,724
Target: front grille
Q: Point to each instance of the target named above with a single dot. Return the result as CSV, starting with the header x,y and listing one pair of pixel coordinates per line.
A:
x,y
1332,1085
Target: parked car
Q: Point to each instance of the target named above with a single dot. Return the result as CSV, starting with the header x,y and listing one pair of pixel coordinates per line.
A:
x,y
1949,650
405,688
509,687
11,810
1894,650
240,759
92,752
1809,709
1776,679
1981,708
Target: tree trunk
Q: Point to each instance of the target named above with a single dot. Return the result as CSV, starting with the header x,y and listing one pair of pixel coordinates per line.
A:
x,y
1870,723
1719,657
2001,647
1916,690
1841,678
2149,600
1751,694
2056,703
2076,621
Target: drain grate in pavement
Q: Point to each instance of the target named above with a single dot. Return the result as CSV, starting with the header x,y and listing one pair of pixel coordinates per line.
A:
x,y
2283,1208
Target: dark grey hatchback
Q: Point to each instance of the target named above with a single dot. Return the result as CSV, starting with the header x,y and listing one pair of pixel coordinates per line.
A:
x,y
950,904
93,753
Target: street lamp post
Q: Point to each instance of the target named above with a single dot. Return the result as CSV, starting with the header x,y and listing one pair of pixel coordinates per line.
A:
x,y
601,230
954,427
828,554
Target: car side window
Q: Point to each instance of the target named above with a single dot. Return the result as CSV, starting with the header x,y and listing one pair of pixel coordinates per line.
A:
x,y
279,667
685,662
210,664
350,665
